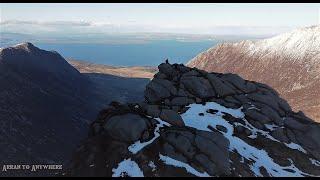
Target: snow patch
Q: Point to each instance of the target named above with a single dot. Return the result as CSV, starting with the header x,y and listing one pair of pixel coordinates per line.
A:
x,y
138,145
192,119
315,162
271,127
258,157
152,165
127,167
296,147
169,161
297,86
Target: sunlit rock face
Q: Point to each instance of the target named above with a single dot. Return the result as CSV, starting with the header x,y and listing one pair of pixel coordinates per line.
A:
x,y
195,123
289,63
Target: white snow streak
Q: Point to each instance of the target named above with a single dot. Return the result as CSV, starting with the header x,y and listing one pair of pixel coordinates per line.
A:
x,y
137,146
315,162
152,165
169,161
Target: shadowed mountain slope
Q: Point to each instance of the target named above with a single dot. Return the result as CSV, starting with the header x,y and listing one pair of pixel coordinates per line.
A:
x,y
46,104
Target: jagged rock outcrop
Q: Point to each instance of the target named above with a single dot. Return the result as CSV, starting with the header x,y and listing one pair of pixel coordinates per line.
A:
x,y
289,63
194,123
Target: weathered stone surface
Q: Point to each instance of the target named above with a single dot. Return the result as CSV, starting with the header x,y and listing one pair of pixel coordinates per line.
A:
x,y
198,86
170,151
182,92
209,166
242,98
301,117
167,69
221,128
250,86
272,114
167,102
212,147
284,105
255,123
155,92
216,153
221,88
239,83
198,100
167,84
247,132
265,87
171,117
294,124
271,101
181,101
128,127
260,105
192,73
227,104
216,137
291,135
280,135
160,75
239,129
159,89
182,141
176,108
153,110
231,99
310,139
254,114
182,68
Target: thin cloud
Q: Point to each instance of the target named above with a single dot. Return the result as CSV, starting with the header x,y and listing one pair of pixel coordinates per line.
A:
x,y
75,27
47,23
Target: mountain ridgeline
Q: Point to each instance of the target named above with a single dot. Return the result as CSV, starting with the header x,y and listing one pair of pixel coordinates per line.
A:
x,y
290,63
46,105
195,123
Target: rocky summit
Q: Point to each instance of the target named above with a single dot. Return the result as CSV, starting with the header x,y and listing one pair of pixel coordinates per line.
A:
x,y
195,123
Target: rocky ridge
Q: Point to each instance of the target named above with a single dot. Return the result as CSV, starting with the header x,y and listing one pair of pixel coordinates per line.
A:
x,y
195,123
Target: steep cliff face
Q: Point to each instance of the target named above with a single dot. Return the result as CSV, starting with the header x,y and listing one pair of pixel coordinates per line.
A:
x,y
194,123
290,63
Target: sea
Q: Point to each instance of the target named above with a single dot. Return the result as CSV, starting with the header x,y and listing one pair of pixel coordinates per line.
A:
x,y
150,53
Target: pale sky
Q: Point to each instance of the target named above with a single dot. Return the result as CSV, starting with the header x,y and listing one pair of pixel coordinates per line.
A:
x,y
162,17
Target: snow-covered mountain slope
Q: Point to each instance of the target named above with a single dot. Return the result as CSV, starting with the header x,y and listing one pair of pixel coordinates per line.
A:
x,y
297,44
289,62
194,123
